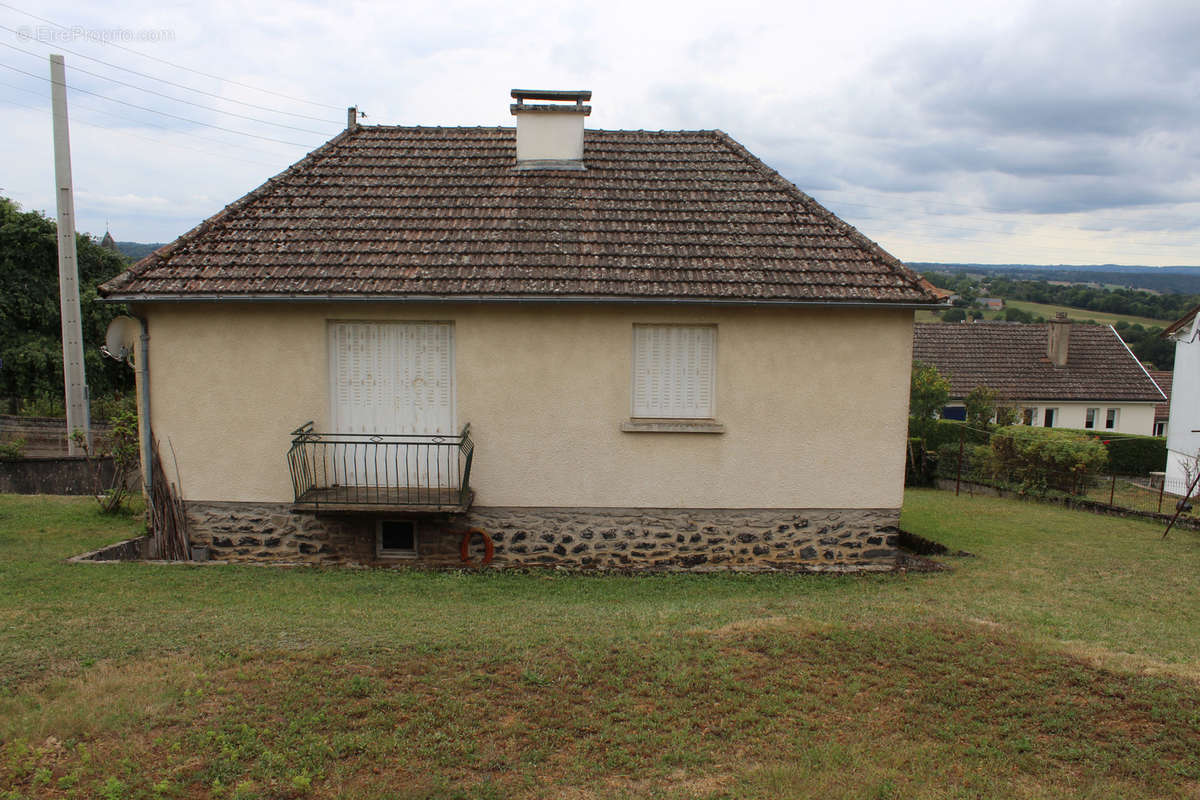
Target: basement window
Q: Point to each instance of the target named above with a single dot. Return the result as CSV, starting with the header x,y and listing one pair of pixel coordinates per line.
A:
x,y
396,538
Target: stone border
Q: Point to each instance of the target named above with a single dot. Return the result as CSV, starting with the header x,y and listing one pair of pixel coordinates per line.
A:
x,y
129,550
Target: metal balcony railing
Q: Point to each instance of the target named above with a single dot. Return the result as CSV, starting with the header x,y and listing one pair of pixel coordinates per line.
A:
x,y
367,471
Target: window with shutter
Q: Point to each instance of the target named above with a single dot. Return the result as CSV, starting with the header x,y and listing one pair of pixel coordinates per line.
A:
x,y
674,371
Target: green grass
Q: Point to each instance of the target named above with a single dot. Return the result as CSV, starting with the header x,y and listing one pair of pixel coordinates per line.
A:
x,y
1060,661
1048,311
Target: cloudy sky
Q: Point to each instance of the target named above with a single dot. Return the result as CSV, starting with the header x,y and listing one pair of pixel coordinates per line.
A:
x,y
1032,132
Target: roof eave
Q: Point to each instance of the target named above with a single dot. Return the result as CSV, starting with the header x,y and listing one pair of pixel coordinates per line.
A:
x,y
540,299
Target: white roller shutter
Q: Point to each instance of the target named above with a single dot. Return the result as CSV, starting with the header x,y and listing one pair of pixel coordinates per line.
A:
x,y
674,371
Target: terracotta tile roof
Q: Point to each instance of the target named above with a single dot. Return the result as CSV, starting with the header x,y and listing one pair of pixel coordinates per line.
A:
x,y
1164,378
396,212
1011,358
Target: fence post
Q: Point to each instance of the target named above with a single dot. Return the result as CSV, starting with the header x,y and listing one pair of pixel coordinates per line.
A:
x,y
962,438
1161,487
1112,492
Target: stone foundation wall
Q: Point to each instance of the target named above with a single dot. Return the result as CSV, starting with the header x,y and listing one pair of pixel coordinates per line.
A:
x,y
577,538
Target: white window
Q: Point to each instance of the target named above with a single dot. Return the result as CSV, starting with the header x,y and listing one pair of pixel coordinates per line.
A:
x,y
1050,417
1160,429
1089,420
1110,421
674,371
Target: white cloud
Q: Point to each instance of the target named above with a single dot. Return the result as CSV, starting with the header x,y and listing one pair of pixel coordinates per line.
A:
x,y
1040,132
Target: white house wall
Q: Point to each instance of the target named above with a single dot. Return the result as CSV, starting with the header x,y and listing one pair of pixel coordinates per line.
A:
x,y
1183,427
814,402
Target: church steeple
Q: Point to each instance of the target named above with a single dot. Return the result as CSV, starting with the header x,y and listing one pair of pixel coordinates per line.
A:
x,y
108,243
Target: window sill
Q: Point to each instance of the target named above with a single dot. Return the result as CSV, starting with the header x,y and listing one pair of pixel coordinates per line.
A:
x,y
672,426
396,554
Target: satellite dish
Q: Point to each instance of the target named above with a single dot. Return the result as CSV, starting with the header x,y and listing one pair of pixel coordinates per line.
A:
x,y
120,338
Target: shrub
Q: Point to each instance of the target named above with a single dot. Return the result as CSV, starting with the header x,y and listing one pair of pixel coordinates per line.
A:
x,y
976,462
946,431
12,449
1133,455
1038,459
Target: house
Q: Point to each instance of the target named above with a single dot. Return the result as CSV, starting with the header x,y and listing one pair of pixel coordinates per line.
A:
x,y
1183,429
611,349
1059,374
1162,411
992,303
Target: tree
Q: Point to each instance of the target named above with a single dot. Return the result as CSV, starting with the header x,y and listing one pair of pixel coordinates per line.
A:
x,y
954,315
927,396
981,406
30,326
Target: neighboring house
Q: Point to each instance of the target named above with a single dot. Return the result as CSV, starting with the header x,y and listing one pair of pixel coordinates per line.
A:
x,y
992,303
618,349
1059,374
1162,411
1183,430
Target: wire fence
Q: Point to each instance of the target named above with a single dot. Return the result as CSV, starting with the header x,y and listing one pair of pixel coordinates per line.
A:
x,y
969,466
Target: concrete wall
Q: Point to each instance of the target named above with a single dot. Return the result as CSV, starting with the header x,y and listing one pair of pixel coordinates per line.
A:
x,y
814,402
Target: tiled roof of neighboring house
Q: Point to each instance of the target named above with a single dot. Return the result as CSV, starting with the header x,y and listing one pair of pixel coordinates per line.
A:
x,y
1011,358
1163,378
441,212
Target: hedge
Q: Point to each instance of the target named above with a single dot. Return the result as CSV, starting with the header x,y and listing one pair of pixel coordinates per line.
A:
x,y
1046,458
945,431
1129,454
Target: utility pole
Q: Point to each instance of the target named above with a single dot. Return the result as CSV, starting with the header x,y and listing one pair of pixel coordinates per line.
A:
x,y
78,416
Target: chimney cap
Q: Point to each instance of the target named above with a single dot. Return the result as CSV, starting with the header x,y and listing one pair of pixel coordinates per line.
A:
x,y
520,95
521,107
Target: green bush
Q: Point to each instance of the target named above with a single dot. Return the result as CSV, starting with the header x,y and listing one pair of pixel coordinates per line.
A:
x,y
1132,455
1038,459
976,462
944,431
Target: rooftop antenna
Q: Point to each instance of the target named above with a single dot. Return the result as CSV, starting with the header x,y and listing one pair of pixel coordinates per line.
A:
x,y
74,378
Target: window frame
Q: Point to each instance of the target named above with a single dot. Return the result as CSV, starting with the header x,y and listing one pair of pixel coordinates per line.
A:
x,y
381,552
1112,418
1090,416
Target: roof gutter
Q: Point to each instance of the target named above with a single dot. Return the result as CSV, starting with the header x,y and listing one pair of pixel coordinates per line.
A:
x,y
490,299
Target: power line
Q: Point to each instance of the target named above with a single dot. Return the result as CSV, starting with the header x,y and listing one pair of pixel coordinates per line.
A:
x,y
169,97
122,132
77,54
162,113
173,131
176,66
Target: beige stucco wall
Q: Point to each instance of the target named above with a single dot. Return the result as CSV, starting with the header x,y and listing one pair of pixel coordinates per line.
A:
x,y
814,402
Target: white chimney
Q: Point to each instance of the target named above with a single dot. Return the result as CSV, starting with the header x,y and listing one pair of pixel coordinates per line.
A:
x,y
550,135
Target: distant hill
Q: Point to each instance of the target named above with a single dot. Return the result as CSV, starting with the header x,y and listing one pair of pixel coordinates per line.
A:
x,y
138,250
1183,280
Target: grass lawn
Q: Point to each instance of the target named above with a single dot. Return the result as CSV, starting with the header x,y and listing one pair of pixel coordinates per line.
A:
x,y
1048,311
1061,661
